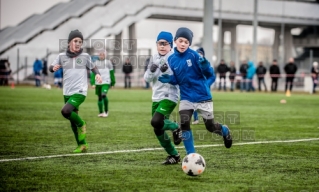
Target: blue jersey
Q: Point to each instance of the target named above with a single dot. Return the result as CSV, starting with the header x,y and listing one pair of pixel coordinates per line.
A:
x,y
192,79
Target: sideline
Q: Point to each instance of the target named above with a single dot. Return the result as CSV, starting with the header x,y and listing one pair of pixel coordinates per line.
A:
x,y
152,149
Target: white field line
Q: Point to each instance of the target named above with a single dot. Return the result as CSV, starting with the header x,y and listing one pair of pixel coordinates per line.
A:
x,y
152,149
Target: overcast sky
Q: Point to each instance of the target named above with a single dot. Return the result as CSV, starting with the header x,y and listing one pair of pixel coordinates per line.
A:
x,y
15,11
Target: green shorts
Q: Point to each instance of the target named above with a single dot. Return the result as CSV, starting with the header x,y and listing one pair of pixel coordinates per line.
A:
x,y
100,89
76,100
165,107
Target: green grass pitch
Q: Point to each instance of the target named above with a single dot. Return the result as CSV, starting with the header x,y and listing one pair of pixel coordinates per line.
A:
x,y
32,126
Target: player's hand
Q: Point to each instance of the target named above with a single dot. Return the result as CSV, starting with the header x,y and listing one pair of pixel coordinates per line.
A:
x,y
98,78
56,67
203,62
165,78
164,67
153,67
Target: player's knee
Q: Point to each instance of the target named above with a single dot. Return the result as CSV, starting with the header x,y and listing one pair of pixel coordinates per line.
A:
x,y
66,113
157,123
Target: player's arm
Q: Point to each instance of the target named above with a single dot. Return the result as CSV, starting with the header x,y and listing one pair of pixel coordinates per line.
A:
x,y
205,67
112,76
166,78
55,64
210,80
152,71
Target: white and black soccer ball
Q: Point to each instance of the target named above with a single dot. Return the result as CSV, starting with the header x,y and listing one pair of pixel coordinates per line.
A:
x,y
193,164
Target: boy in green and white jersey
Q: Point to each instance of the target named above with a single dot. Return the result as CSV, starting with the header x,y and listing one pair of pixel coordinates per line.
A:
x,y
108,80
165,98
75,85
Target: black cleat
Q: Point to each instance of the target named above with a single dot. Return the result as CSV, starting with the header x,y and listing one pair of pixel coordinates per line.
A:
x,y
172,159
228,140
177,136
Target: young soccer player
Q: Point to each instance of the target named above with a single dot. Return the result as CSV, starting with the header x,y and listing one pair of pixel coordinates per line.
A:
x,y
74,64
108,79
190,72
165,98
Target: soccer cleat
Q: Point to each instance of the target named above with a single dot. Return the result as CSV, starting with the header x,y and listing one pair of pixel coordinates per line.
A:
x,y
103,114
172,159
82,132
177,136
81,148
228,140
195,122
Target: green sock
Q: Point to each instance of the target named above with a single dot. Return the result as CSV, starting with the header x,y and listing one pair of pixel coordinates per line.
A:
x,y
166,143
106,104
100,104
169,125
76,119
75,131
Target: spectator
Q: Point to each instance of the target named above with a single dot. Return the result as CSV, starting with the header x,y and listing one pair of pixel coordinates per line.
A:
x,y
222,69
232,75
274,72
127,70
58,78
45,70
243,73
261,71
251,70
37,68
314,75
290,70
5,72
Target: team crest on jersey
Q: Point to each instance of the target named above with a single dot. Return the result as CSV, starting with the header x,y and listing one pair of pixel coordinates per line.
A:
x,y
78,60
189,62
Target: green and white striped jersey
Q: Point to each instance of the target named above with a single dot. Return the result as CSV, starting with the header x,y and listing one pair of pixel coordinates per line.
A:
x,y
75,74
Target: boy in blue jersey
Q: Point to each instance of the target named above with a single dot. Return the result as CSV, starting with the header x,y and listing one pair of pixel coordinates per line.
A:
x,y
191,72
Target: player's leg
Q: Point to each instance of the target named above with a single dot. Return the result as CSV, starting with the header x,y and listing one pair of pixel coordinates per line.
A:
x,y
98,89
206,111
166,107
105,89
158,123
71,103
82,146
195,115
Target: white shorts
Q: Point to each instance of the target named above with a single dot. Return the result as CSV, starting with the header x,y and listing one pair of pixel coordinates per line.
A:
x,y
57,80
204,109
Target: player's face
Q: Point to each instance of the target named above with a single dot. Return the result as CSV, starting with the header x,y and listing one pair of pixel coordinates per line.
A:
x,y
102,56
75,44
163,47
182,44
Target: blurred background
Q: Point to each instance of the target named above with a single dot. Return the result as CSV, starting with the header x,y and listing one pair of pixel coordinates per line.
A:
x,y
232,30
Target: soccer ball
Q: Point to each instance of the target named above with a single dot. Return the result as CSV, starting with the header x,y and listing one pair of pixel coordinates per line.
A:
x,y
193,164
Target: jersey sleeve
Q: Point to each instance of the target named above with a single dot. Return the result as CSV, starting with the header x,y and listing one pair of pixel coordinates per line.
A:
x,y
148,75
57,61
